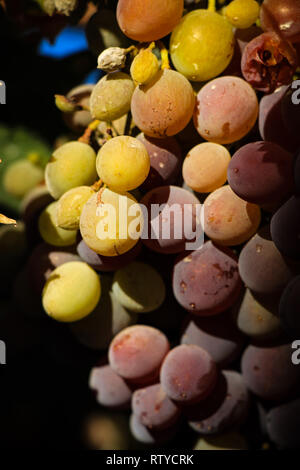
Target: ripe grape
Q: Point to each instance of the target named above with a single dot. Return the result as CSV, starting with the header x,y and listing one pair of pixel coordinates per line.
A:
x,y
165,106
272,125
148,20
269,62
188,374
165,161
233,410
283,17
202,45
102,31
70,205
262,267
77,121
107,263
22,176
136,353
149,436
285,228
144,67
49,230
255,320
291,111
206,281
226,441
31,207
228,220
242,13
221,338
205,167
111,96
108,318
289,307
111,390
283,424
139,287
226,110
43,260
168,228
72,291
261,173
153,408
71,165
123,163
269,372
106,225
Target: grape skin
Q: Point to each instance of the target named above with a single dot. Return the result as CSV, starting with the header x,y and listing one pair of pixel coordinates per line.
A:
x,y
111,390
123,163
226,110
71,292
289,307
22,176
70,205
71,165
165,106
49,230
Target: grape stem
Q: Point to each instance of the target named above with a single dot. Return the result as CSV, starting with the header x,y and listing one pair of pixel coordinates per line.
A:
x,y
99,200
165,64
97,185
86,137
6,220
211,5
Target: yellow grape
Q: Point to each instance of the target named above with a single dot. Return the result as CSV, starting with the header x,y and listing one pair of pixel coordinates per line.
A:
x,y
70,205
205,167
21,176
202,45
123,163
103,230
49,230
144,67
242,13
72,164
71,292
111,96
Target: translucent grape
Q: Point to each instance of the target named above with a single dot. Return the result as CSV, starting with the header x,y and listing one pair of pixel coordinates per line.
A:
x,y
228,220
139,287
70,205
22,176
111,96
71,165
202,45
242,13
49,230
123,163
71,292
165,106
226,110
148,20
205,167
108,226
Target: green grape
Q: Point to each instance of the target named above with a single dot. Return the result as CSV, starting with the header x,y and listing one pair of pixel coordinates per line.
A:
x,y
242,13
139,287
70,205
202,45
71,292
71,165
21,176
111,96
49,230
103,222
123,163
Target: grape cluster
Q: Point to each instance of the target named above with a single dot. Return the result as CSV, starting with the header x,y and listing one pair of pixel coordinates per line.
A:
x,y
199,109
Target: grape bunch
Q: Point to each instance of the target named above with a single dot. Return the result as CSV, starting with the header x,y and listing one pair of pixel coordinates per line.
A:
x,y
194,108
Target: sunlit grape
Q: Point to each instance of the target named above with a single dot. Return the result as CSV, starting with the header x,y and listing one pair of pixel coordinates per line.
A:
x,y
49,230
70,205
242,13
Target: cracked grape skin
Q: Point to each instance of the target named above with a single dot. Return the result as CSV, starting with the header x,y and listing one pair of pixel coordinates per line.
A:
x,y
206,281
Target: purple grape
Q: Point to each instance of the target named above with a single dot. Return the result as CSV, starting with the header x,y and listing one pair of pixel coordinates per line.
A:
x,y
207,281
153,408
111,390
233,410
285,228
188,374
149,436
289,307
283,424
